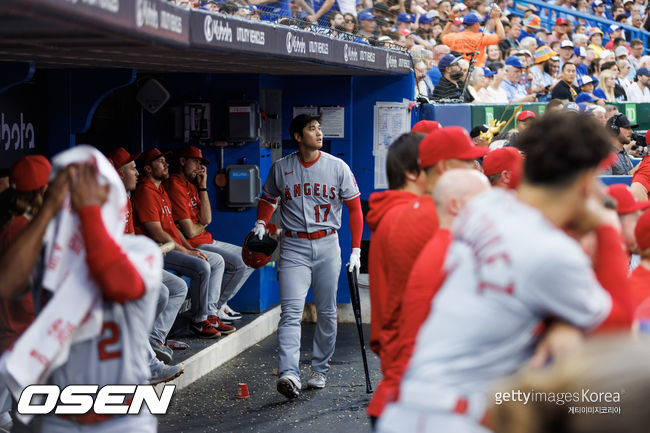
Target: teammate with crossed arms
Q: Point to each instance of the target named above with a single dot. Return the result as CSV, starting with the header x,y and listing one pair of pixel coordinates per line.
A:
x,y
311,187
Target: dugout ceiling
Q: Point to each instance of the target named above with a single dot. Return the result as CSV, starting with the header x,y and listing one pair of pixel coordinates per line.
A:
x,y
155,36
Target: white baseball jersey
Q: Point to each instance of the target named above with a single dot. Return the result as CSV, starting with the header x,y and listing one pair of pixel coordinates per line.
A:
x,y
119,354
311,195
508,269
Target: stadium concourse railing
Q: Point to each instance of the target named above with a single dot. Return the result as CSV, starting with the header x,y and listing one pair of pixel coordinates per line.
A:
x,y
548,14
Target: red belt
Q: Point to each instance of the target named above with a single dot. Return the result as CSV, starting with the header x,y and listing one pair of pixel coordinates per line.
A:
x,y
86,419
462,406
310,236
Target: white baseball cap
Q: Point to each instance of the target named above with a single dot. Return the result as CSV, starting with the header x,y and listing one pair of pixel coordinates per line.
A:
x,y
566,44
621,51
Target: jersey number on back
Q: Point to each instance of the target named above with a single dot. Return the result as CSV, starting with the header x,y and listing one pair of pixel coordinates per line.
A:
x,y
110,336
317,211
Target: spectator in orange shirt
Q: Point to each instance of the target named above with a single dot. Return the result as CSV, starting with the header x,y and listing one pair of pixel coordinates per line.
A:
x,y
470,40
192,212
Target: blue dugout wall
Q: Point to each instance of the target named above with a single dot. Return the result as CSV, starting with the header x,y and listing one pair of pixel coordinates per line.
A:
x,y
70,99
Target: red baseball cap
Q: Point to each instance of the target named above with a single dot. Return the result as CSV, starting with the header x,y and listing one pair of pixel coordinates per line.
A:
x,y
505,158
642,231
150,155
192,152
609,161
525,115
426,126
452,142
561,21
30,173
625,201
120,157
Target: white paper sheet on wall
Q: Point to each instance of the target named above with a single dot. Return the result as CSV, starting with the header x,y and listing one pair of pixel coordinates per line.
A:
x,y
332,118
392,119
333,121
308,109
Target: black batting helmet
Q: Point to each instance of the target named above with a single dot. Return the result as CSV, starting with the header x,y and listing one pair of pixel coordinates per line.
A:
x,y
257,253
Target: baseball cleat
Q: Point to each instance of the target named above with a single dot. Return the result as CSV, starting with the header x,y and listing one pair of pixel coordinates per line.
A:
x,y
223,328
224,317
205,330
164,373
289,386
316,380
162,352
227,315
234,315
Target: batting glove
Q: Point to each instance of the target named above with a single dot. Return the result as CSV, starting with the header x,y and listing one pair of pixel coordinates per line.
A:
x,y
355,261
259,229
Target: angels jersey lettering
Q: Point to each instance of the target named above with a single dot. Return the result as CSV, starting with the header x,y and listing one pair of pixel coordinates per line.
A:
x,y
311,197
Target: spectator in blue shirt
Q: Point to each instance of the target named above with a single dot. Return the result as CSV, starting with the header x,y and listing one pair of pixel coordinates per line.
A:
x,y
531,25
515,91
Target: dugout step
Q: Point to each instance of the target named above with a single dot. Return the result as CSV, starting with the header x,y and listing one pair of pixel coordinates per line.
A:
x,y
205,355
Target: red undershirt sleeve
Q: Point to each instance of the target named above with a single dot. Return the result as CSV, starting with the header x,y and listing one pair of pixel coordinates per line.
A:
x,y
356,220
116,276
265,209
611,270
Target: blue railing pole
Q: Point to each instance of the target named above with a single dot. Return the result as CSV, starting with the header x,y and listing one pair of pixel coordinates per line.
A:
x,y
548,21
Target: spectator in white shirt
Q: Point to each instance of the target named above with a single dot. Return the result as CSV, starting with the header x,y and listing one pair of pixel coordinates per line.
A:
x,y
636,50
493,93
639,91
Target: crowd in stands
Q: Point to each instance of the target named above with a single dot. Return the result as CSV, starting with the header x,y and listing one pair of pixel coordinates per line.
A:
x,y
515,58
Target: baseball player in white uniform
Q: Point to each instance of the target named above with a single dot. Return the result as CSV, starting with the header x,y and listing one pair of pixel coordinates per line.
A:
x,y
310,187
118,353
509,268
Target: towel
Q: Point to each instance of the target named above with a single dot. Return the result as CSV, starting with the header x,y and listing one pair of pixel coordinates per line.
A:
x,y
74,313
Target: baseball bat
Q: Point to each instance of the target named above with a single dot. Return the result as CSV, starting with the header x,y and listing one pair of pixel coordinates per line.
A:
x,y
353,285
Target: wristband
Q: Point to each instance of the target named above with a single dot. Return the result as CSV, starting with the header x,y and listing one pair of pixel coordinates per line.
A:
x,y
202,189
